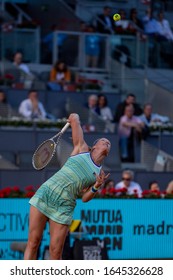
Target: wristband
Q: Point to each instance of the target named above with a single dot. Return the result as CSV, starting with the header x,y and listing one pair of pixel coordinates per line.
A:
x,y
94,189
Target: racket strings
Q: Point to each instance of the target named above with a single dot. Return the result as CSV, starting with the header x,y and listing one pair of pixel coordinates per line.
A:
x,y
44,154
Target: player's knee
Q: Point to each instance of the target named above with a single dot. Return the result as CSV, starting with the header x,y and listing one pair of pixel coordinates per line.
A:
x,y
55,252
34,242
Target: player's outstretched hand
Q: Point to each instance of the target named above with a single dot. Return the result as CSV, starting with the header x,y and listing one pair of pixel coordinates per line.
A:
x,y
100,179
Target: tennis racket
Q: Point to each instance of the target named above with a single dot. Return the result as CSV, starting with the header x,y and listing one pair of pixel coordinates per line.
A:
x,y
45,151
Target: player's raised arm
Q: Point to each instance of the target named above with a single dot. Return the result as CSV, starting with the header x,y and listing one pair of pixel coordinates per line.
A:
x,y
77,134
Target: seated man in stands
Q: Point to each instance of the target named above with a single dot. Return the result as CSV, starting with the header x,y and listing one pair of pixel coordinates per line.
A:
x,y
31,108
127,185
129,127
26,74
148,117
92,103
130,99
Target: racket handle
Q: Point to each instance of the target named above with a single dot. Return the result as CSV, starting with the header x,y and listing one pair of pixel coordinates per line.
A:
x,y
65,127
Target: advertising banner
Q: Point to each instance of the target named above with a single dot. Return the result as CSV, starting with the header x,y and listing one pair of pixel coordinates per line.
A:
x,y
130,228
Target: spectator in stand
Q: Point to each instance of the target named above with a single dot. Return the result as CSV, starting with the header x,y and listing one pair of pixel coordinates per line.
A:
x,y
129,127
151,30
91,107
18,62
105,22
148,117
26,74
154,186
127,185
92,103
135,22
6,110
150,23
123,24
48,43
169,189
104,111
92,48
163,27
31,108
130,99
60,77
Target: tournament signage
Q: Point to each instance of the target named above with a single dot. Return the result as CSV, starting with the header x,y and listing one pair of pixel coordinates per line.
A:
x,y
130,228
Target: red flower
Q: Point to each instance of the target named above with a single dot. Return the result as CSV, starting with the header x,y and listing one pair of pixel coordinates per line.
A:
x,y
16,189
30,194
156,192
29,188
145,192
6,191
1,194
9,76
123,190
103,191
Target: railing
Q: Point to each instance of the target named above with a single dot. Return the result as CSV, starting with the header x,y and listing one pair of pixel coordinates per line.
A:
x,y
25,40
21,13
72,48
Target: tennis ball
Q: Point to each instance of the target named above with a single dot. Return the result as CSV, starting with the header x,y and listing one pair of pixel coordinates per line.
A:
x,y
116,17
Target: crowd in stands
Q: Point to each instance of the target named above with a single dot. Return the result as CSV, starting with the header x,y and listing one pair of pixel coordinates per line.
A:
x,y
134,124
153,25
128,187
130,121
150,24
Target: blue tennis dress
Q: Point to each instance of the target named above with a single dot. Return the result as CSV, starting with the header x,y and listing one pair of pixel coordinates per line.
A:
x,y
56,198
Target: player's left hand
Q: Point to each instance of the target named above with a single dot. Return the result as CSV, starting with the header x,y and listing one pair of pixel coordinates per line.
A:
x,y
100,178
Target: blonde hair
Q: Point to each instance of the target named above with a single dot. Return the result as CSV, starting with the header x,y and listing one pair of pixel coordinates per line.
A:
x,y
169,188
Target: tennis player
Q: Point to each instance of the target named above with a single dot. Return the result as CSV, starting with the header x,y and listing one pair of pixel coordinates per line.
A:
x,y
55,200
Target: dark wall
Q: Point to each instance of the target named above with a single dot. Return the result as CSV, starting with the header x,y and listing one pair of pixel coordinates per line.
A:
x,y
25,177
163,142
24,142
47,13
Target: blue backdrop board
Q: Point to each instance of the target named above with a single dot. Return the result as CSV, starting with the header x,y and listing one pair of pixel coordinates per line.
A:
x,y
132,228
